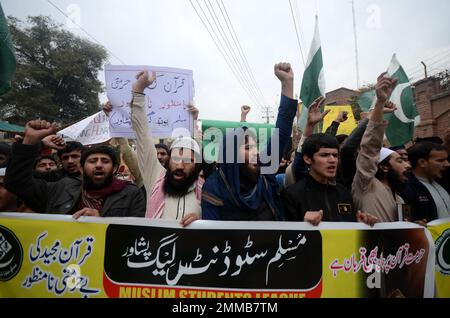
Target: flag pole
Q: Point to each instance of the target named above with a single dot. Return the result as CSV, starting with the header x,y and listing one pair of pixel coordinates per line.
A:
x,y
356,45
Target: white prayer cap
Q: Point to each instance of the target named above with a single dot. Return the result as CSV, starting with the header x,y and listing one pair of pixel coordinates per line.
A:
x,y
384,153
187,143
2,172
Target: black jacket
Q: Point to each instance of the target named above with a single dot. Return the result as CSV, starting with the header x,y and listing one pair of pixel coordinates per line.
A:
x,y
309,195
420,200
349,153
61,197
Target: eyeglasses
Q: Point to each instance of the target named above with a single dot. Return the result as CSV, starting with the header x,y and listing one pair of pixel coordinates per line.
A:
x,y
178,159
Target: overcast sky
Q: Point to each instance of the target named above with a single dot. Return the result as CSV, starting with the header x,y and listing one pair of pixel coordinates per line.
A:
x,y
170,33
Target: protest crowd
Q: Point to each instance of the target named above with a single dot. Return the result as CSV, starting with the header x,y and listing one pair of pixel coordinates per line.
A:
x,y
322,178
160,163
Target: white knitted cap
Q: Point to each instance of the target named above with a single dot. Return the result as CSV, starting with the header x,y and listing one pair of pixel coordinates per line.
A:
x,y
384,153
187,143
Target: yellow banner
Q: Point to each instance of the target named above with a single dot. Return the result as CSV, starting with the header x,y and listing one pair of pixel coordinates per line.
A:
x,y
59,258
56,256
344,128
440,231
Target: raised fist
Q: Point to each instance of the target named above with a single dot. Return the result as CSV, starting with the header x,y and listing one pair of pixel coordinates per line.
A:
x,y
245,109
384,88
284,71
107,108
143,81
36,130
342,116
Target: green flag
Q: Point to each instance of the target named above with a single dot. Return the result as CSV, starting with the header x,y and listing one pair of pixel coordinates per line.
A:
x,y
405,118
313,83
7,57
402,122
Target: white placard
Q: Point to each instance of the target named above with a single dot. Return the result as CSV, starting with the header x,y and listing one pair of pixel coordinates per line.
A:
x,y
166,99
89,131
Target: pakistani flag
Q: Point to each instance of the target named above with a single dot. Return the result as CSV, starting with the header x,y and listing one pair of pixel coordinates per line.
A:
x,y
313,84
405,118
7,57
402,122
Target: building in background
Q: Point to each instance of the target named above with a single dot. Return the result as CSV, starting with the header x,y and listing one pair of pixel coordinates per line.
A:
x,y
432,97
341,96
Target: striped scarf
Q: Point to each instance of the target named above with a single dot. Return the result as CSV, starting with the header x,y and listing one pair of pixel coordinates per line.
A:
x,y
95,199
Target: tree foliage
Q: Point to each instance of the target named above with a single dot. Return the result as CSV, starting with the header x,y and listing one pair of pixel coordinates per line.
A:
x,y
444,79
57,74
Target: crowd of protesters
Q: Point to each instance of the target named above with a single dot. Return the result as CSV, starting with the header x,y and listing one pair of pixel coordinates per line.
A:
x,y
319,177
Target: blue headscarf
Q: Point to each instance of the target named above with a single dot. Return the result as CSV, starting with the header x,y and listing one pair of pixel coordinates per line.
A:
x,y
225,182
232,170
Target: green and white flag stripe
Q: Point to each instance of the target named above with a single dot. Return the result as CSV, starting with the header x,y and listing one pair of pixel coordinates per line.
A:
x,y
313,83
403,95
405,118
402,122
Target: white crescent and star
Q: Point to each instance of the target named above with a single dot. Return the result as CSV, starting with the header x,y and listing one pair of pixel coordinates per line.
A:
x,y
396,99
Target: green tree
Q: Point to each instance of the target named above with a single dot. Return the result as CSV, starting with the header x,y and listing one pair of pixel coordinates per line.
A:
x,y
57,74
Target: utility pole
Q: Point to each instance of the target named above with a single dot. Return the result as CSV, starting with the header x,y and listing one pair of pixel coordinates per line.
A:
x,y
267,111
356,44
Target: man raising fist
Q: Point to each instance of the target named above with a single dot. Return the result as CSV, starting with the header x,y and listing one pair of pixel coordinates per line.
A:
x,y
245,109
97,194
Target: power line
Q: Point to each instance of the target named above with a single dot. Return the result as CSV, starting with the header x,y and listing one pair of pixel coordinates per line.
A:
x,y
296,32
300,29
86,32
242,65
246,68
239,66
231,50
444,52
239,46
420,70
431,71
442,60
220,48
237,74
428,59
